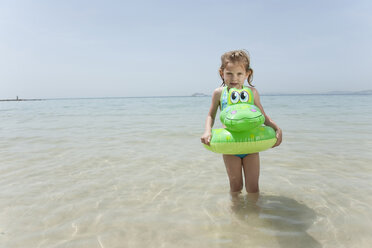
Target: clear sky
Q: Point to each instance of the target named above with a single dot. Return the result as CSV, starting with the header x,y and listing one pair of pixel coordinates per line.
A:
x,y
75,48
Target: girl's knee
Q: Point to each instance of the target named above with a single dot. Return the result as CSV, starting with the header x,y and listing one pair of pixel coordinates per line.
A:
x,y
251,188
236,186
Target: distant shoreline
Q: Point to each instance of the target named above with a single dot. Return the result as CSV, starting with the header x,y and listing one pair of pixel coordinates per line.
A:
x,y
20,100
319,94
330,93
362,92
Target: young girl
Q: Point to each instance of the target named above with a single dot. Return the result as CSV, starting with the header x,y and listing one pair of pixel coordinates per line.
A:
x,y
234,70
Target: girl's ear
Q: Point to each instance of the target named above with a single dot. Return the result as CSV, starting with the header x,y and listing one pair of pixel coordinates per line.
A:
x,y
221,73
249,72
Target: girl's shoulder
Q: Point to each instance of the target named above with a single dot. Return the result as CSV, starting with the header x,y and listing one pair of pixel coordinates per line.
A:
x,y
254,91
218,91
217,96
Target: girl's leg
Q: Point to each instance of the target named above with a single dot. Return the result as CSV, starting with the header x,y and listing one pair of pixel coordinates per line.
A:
x,y
251,167
234,171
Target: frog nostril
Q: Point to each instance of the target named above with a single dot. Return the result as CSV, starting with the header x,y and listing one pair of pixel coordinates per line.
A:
x,y
233,112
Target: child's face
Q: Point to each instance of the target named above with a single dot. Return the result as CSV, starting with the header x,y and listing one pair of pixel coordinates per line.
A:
x,y
234,75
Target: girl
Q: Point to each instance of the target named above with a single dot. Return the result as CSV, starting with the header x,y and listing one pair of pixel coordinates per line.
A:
x,y
234,71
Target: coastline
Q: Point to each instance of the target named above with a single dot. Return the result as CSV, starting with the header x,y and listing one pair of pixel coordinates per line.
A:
x,y
359,93
19,100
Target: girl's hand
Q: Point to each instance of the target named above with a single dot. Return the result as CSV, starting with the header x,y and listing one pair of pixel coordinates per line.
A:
x,y
206,138
278,137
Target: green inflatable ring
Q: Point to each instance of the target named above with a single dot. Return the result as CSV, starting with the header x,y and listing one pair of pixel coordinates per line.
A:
x,y
244,132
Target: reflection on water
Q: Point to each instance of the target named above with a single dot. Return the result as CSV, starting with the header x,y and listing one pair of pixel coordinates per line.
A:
x,y
276,216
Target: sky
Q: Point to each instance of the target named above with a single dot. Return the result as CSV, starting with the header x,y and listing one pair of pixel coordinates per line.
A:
x,y
76,48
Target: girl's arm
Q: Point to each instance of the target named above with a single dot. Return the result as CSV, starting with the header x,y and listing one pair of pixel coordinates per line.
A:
x,y
268,121
206,137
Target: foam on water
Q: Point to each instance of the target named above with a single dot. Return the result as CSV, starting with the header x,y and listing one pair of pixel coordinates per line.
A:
x,y
131,172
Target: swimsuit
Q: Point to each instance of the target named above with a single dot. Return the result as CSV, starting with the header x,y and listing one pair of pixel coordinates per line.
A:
x,y
223,102
241,155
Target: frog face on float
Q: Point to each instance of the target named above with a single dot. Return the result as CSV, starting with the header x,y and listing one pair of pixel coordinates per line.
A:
x,y
241,114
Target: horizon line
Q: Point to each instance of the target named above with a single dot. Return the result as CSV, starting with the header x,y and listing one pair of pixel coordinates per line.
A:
x,y
367,92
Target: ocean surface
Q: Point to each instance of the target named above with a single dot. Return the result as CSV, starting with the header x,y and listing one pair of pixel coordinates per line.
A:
x,y
131,172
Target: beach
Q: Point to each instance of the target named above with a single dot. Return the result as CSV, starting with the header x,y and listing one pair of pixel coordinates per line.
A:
x,y
131,172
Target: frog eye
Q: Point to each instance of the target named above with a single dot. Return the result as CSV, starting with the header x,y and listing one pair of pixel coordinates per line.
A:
x,y
244,97
234,97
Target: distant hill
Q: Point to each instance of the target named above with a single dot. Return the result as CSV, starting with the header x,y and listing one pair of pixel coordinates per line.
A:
x,y
362,92
19,100
199,94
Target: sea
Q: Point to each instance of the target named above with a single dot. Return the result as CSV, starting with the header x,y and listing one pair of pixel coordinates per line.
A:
x,y
131,172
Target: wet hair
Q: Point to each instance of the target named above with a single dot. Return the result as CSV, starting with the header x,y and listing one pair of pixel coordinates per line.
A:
x,y
237,56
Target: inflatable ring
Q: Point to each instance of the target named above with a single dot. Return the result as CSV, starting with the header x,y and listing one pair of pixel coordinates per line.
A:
x,y
244,132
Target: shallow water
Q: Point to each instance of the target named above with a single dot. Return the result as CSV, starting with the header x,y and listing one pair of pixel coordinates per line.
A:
x,y
130,172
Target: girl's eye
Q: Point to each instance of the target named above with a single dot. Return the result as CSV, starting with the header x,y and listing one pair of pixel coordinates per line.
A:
x,y
244,96
234,97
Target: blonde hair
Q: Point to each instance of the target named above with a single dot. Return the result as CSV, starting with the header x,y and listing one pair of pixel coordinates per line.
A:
x,y
237,56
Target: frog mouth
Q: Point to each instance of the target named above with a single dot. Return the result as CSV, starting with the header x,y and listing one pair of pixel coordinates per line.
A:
x,y
244,118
